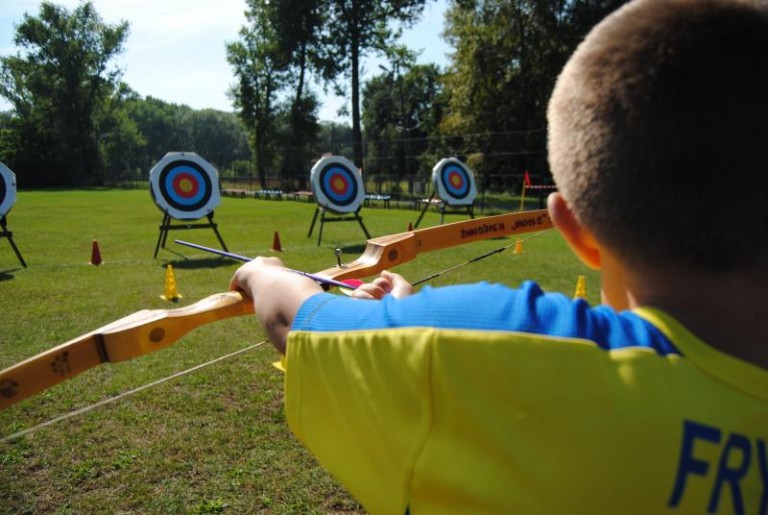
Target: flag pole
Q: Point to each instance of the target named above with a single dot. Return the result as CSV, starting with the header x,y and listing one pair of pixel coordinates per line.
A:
x,y
526,183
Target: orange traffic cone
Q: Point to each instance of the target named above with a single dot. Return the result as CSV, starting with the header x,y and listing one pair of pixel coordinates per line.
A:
x,y
518,247
171,292
276,243
95,253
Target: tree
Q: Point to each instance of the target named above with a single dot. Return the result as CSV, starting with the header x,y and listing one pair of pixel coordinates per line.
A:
x,y
401,111
163,126
217,136
508,55
260,67
297,25
355,27
121,142
58,84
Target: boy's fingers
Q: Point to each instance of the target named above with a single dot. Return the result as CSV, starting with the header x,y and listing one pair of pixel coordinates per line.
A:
x,y
368,291
399,286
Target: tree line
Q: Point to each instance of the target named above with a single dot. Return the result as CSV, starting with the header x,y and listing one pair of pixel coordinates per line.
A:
x,y
74,122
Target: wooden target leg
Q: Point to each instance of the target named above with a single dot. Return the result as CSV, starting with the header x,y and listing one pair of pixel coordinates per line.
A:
x,y
9,235
424,210
216,230
314,219
163,233
360,221
322,223
17,252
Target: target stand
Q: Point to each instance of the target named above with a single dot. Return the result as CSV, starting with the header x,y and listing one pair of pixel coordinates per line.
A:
x,y
454,185
185,187
7,199
339,192
168,226
5,233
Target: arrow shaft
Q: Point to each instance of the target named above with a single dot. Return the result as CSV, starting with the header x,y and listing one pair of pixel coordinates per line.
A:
x,y
238,257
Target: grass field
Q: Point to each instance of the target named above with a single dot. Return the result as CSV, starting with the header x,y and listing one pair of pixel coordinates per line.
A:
x,y
211,441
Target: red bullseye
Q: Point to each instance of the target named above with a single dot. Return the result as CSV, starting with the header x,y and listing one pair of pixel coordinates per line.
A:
x,y
339,184
456,180
185,185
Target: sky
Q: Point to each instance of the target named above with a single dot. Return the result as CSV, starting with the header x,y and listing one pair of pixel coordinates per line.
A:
x,y
175,50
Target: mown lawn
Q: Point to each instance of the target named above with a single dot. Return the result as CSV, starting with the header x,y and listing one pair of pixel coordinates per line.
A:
x,y
211,441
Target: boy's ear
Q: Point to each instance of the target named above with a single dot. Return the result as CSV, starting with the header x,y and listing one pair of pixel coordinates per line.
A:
x,y
578,237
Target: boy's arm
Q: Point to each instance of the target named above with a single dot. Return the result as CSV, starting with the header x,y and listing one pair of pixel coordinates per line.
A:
x,y
277,294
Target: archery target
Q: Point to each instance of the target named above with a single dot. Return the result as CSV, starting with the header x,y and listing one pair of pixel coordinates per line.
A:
x,y
337,184
184,185
7,189
454,182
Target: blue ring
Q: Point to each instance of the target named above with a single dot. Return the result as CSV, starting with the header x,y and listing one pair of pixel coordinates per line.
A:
x,y
454,192
169,173
327,173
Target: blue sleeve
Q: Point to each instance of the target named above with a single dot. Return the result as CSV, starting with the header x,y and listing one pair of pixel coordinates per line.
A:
x,y
485,306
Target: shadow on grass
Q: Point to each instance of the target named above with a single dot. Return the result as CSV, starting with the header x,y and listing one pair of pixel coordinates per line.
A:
x,y
353,250
7,275
183,263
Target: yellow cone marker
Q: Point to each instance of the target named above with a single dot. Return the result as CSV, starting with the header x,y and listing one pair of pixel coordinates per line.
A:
x,y
171,293
518,247
581,288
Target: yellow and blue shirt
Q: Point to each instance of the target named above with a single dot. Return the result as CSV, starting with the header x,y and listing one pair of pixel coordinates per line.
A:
x,y
487,399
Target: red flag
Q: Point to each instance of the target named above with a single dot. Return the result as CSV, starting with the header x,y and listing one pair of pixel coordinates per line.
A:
x,y
527,178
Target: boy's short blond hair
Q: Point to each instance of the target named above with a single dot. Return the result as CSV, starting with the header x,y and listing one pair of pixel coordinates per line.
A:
x,y
658,133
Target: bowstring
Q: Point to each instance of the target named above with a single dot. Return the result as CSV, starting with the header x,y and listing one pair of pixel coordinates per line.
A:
x,y
481,256
128,393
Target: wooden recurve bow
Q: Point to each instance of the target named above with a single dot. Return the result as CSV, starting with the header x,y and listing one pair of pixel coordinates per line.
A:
x,y
150,330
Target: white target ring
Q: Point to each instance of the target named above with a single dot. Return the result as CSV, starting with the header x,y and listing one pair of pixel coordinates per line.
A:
x,y
337,184
7,189
454,182
184,185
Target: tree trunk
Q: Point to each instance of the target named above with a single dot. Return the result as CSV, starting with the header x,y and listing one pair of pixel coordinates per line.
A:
x,y
357,134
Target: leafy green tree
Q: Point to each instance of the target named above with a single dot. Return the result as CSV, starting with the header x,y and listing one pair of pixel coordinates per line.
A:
x,y
277,52
162,125
335,138
354,28
58,84
121,143
402,108
507,56
299,130
260,67
286,40
297,24
217,136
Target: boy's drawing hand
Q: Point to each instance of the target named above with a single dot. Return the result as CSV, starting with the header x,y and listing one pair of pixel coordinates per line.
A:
x,y
388,283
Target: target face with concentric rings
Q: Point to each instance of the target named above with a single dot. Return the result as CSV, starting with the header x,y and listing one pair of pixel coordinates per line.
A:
x,y
7,189
184,185
454,182
337,184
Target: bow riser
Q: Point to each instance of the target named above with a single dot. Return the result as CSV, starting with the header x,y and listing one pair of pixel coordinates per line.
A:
x,y
389,251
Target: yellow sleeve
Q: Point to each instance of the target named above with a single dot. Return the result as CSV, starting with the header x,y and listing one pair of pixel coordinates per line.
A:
x,y
330,383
